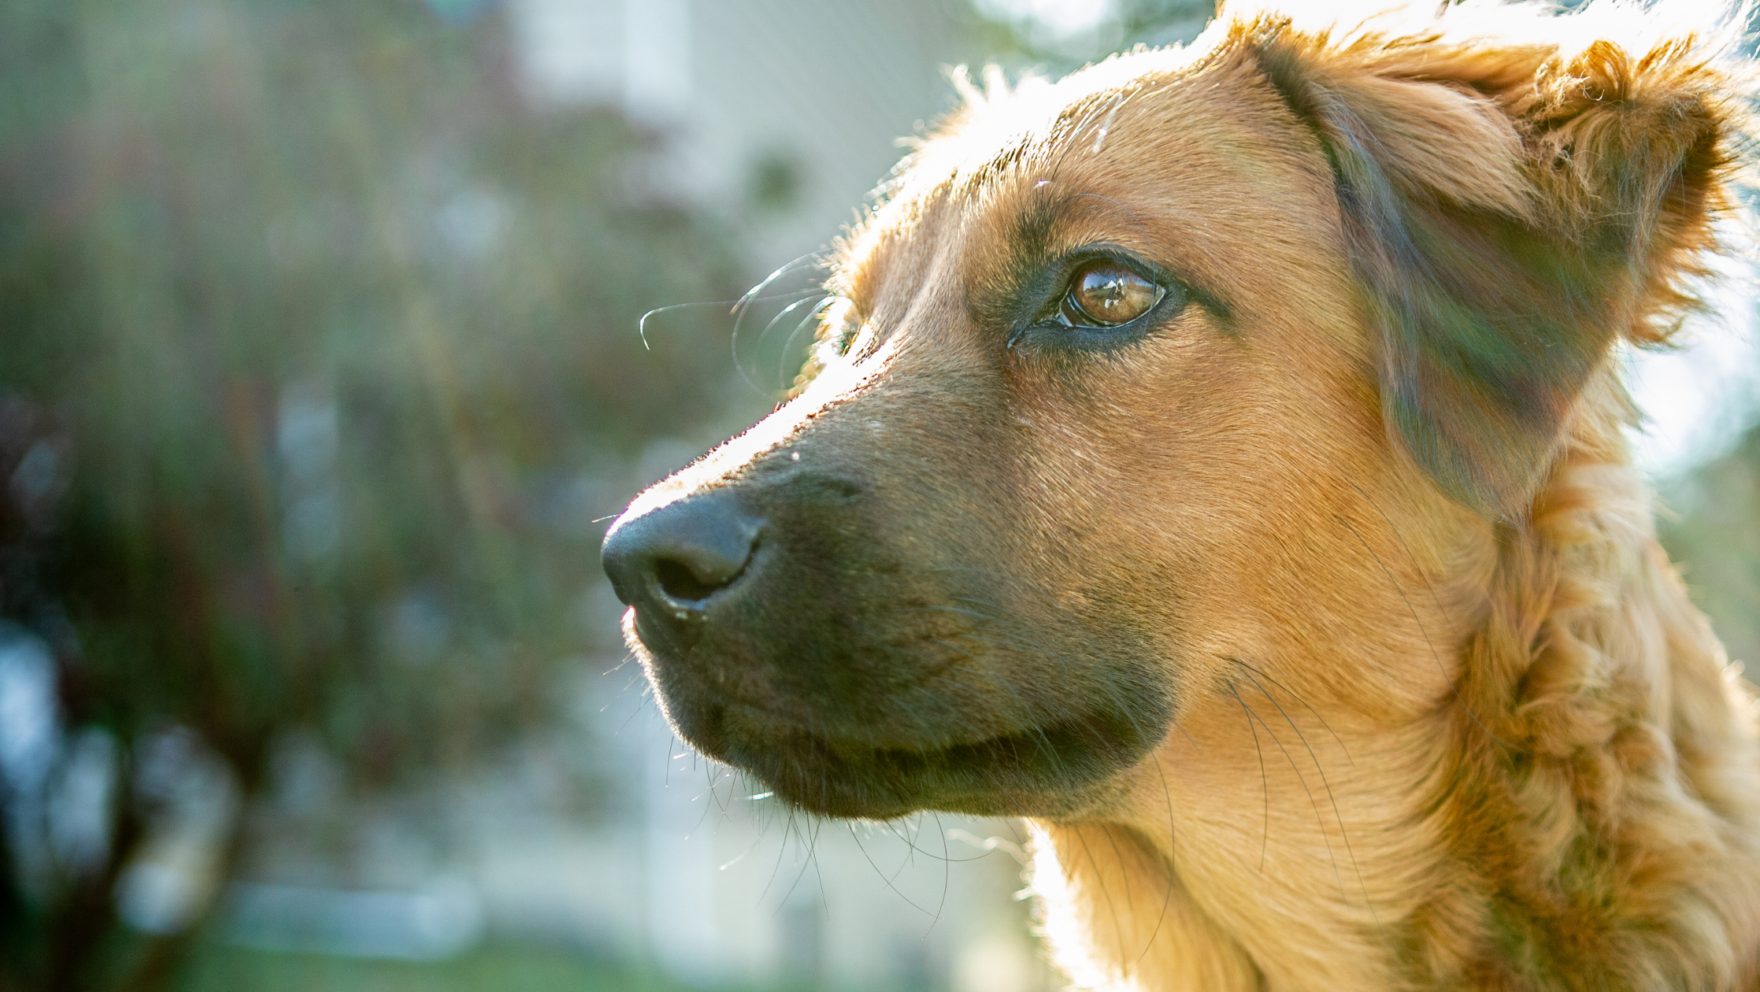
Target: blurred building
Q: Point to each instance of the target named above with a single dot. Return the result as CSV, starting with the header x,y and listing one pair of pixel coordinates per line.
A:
x,y
781,113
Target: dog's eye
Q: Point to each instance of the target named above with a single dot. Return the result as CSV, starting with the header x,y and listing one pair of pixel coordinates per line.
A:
x,y
1106,294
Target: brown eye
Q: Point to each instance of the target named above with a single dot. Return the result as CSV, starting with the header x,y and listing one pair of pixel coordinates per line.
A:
x,y
1106,294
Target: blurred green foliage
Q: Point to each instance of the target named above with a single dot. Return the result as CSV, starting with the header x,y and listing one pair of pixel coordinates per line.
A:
x,y
333,340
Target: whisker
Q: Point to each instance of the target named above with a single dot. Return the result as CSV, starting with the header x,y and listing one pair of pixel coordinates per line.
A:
x,y
946,871
1173,854
818,870
733,339
781,850
744,304
1343,834
785,311
1105,890
707,805
895,889
1130,902
1264,788
782,363
808,260
1426,634
801,841
1391,529
1319,820
1182,730
642,321
1298,698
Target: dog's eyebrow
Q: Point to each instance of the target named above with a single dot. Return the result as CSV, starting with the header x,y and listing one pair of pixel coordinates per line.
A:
x,y
1031,236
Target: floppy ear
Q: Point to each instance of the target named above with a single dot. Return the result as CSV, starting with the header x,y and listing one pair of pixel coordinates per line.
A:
x,y
1510,214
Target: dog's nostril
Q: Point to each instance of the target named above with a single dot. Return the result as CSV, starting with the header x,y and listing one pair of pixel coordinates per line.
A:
x,y
680,581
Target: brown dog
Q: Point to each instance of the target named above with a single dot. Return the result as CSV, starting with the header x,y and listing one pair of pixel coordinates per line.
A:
x,y
1217,459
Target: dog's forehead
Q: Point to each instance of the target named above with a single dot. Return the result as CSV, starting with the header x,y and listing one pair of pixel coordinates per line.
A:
x,y
1157,152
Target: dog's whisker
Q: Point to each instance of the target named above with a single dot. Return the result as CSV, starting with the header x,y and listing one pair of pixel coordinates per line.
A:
x,y
1124,872
1264,786
757,842
738,325
1105,127
877,870
1183,732
1298,698
809,260
1423,574
1319,819
781,851
710,801
1100,880
814,296
642,321
804,850
910,855
743,305
1343,833
946,869
818,870
1172,854
1448,678
814,314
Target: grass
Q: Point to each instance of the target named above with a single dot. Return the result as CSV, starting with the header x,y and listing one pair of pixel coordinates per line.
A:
x,y
215,968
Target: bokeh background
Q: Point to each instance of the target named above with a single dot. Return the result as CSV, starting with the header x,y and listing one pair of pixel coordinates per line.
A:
x,y
320,378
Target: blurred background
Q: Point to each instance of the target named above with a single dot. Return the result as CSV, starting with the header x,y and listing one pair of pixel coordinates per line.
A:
x,y
320,379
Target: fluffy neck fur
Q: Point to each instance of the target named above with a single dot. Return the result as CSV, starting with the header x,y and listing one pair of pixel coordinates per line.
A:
x,y
1592,823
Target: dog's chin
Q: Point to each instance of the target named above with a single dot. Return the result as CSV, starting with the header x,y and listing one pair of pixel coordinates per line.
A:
x,y
1063,769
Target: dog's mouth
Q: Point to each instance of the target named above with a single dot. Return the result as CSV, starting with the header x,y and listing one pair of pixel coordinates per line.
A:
x,y
861,667
1057,769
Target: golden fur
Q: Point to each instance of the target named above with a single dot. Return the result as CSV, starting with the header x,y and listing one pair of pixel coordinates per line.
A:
x,y
1439,713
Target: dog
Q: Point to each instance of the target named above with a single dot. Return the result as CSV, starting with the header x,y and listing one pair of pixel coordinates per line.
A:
x,y
1217,459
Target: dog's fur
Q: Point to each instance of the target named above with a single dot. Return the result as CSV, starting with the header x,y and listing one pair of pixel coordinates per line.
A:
x,y
1320,630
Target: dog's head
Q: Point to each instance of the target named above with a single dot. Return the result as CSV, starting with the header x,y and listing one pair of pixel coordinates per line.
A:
x,y
1190,362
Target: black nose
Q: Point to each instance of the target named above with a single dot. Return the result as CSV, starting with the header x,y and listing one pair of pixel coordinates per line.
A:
x,y
671,562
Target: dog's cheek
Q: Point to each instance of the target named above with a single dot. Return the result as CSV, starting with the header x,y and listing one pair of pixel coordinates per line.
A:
x,y
1176,482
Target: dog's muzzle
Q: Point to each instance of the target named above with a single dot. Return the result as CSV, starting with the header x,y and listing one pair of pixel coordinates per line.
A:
x,y
854,646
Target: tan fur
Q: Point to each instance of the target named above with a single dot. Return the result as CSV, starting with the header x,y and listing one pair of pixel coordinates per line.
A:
x,y
1617,838
1443,716
1637,740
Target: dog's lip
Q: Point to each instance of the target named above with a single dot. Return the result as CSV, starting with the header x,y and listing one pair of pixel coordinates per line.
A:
x,y
1022,772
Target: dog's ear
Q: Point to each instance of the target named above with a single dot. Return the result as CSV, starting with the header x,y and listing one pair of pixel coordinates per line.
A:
x,y
1510,214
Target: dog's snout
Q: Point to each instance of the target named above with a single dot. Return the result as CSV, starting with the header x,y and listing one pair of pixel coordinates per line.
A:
x,y
675,560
